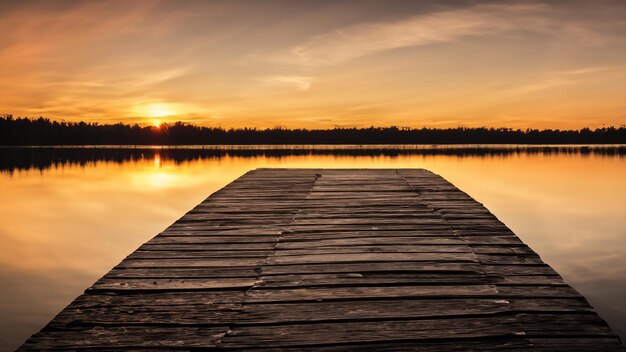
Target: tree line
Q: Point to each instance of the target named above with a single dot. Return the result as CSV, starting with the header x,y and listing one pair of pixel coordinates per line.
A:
x,y
43,131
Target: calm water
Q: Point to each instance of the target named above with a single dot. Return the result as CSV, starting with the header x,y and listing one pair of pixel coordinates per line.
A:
x,y
69,215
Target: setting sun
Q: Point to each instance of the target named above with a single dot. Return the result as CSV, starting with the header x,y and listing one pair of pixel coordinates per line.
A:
x,y
155,112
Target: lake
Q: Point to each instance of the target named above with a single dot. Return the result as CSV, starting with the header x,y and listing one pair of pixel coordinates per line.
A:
x,y
70,214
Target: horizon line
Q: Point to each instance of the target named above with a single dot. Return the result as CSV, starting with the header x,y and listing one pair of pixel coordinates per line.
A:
x,y
166,124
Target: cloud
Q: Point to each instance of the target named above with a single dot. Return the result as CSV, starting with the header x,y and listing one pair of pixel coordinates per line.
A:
x,y
298,82
585,70
368,38
449,25
557,79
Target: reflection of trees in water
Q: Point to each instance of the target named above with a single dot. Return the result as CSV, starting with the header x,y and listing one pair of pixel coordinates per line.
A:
x,y
42,158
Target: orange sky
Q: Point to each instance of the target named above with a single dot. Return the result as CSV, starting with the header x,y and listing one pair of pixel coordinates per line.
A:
x,y
541,64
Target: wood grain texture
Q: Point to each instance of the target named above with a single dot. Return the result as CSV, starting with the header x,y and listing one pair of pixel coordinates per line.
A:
x,y
332,260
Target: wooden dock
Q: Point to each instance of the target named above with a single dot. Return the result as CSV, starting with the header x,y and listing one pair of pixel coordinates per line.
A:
x,y
332,260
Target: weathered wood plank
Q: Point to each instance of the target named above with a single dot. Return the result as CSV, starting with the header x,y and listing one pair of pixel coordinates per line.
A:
x,y
182,254
171,284
365,292
182,273
164,308
296,241
389,330
371,257
303,312
377,278
409,267
126,337
376,249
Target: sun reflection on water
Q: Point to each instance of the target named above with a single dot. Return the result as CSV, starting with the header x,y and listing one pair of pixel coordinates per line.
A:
x,y
157,160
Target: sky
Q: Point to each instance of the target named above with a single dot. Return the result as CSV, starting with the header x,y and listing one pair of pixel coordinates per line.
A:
x,y
316,64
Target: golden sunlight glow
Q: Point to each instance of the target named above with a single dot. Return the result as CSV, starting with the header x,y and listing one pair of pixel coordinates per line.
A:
x,y
159,110
162,179
156,112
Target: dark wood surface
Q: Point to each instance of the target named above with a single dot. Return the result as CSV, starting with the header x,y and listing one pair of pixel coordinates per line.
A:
x,y
332,260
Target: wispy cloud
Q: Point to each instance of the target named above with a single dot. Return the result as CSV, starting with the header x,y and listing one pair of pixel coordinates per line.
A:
x,y
363,39
557,79
450,25
584,71
298,82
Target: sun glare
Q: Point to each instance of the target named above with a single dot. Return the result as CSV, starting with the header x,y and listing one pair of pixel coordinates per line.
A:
x,y
159,110
156,112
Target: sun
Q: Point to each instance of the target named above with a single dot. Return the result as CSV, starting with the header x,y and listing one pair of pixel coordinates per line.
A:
x,y
156,112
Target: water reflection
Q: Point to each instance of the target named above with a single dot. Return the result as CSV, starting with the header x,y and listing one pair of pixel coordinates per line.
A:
x,y
42,158
69,215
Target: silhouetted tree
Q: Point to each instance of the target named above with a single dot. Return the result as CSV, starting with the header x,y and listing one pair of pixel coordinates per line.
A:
x,y
42,131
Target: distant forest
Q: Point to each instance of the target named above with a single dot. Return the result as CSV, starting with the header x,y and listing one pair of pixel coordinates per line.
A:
x,y
43,131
